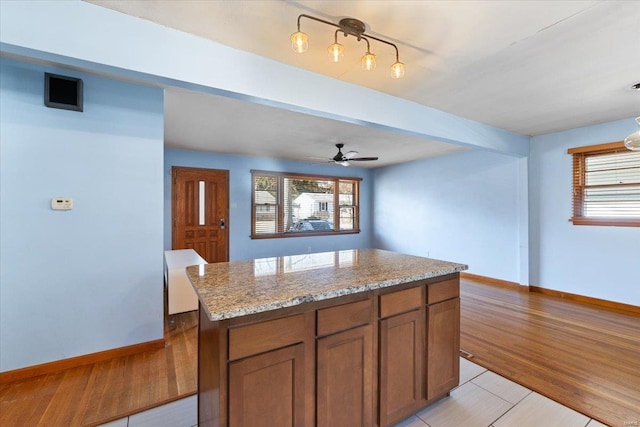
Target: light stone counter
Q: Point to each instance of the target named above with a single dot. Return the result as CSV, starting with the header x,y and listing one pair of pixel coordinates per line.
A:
x,y
233,289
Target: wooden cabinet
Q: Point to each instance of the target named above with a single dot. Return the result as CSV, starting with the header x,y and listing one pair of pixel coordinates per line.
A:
x,y
369,359
401,361
401,331
443,347
419,347
270,372
345,365
443,337
268,389
345,378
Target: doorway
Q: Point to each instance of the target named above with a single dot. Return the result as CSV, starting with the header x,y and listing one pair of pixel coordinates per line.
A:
x,y
200,212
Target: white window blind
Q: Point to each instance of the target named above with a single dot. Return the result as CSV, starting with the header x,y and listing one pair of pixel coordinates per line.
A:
x,y
265,204
606,185
612,185
348,206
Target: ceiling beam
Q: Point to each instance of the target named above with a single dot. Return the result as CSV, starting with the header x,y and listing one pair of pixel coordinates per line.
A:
x,y
100,40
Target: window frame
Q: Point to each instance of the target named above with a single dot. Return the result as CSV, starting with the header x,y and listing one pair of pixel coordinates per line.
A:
x,y
579,155
279,204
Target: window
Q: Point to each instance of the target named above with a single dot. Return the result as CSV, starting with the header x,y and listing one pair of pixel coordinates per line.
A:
x,y
606,185
289,205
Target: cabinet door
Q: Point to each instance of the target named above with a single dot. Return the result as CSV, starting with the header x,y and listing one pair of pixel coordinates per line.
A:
x,y
401,366
443,347
267,390
345,373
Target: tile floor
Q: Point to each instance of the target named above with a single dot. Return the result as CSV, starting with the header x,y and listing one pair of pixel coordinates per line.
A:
x,y
181,413
483,399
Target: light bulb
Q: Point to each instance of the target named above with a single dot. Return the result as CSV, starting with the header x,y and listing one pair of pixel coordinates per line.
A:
x,y
299,42
336,52
368,61
397,70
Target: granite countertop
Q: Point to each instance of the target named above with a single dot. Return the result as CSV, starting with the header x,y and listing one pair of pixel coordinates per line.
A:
x,y
239,288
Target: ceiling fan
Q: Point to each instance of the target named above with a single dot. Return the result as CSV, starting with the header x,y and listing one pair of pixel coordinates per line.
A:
x,y
350,156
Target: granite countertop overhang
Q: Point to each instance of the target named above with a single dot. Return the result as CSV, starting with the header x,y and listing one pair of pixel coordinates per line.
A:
x,y
239,288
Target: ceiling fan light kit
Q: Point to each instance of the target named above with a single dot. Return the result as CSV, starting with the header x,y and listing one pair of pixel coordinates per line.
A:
x,y
343,159
632,142
348,27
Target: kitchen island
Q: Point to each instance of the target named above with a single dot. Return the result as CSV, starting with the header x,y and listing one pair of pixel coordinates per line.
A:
x,y
347,338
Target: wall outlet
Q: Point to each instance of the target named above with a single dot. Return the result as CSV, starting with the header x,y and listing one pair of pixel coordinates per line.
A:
x,y
61,204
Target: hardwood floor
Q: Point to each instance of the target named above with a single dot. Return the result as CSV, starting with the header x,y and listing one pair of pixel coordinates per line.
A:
x,y
97,393
583,356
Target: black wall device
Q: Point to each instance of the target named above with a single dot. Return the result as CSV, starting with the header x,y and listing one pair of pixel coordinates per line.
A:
x,y
62,92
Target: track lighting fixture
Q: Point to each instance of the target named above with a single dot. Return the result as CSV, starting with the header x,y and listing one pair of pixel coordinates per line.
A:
x,y
348,27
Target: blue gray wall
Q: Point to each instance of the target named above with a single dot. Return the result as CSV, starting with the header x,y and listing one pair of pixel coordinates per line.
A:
x,y
462,207
241,246
90,279
596,261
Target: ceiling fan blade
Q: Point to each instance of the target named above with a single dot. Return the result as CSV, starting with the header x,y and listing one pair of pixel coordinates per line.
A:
x,y
350,154
363,159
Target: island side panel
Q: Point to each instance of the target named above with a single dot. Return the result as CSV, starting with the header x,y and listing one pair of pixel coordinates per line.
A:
x,y
212,371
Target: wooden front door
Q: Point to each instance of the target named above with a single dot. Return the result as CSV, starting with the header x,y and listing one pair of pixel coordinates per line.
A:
x,y
200,212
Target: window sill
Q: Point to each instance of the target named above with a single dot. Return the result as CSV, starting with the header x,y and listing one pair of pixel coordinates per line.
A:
x,y
302,234
615,222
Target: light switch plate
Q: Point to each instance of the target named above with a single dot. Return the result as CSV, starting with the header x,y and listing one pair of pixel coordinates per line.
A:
x,y
61,203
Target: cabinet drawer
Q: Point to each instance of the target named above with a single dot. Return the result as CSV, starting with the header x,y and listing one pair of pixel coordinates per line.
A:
x,y
264,336
401,301
441,291
342,317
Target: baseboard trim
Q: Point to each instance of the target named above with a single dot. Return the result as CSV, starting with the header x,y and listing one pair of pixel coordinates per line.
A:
x,y
551,292
493,281
585,299
73,362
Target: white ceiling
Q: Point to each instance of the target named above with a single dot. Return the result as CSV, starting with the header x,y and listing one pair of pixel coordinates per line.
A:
x,y
530,67
203,122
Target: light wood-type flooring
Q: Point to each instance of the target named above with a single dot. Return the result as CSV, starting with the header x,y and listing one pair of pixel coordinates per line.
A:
x,y
93,394
583,356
